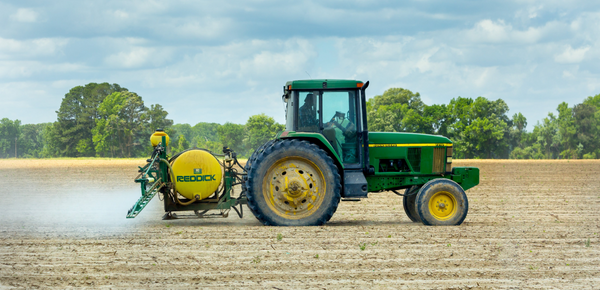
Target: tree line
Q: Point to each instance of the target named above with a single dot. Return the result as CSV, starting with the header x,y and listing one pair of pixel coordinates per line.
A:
x,y
481,128
107,120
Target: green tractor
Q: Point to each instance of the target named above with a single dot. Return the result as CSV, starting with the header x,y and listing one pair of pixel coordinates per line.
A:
x,y
326,154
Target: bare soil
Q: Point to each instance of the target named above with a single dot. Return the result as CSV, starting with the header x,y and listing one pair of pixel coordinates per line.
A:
x,y
531,225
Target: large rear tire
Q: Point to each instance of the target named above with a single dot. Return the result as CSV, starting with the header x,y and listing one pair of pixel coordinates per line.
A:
x,y
408,201
293,183
258,150
442,202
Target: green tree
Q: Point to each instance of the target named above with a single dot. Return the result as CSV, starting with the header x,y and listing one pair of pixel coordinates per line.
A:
x,y
105,134
586,128
437,119
51,144
157,119
185,130
213,146
480,128
9,134
181,144
517,131
77,117
232,136
260,129
547,136
485,135
120,130
397,110
530,152
206,132
32,140
566,131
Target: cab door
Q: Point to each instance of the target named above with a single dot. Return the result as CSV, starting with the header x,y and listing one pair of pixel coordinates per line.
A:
x,y
340,125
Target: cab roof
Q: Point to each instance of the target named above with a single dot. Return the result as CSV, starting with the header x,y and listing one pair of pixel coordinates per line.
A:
x,y
323,84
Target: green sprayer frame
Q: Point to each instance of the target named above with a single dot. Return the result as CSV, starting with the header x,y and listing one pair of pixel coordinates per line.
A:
x,y
154,178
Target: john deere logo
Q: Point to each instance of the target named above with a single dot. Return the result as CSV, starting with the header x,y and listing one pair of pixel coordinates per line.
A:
x,y
197,170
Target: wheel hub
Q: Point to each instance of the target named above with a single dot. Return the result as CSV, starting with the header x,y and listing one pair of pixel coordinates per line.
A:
x,y
295,187
442,205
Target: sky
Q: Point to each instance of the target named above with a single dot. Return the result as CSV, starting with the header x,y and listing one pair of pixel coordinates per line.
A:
x,y
224,61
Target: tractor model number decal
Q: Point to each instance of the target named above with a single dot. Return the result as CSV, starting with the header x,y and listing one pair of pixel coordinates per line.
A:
x,y
196,178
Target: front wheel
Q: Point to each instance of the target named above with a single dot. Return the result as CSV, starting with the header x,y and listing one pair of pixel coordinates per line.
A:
x,y
293,183
442,202
408,201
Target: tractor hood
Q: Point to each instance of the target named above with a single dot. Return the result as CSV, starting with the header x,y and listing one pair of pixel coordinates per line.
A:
x,y
414,139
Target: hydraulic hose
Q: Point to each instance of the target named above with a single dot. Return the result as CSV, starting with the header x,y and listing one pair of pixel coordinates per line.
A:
x,y
174,184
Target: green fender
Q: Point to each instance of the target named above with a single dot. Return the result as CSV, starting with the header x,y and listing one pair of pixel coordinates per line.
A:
x,y
317,139
467,177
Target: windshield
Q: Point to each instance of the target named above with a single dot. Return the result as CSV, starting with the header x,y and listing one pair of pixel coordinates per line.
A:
x,y
334,114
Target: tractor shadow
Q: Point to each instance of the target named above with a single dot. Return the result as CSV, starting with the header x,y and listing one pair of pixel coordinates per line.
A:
x,y
346,223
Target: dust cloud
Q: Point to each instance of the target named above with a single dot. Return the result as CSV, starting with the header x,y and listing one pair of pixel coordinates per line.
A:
x,y
64,198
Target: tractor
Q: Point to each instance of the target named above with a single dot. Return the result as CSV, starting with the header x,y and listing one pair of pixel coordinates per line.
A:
x,y
325,155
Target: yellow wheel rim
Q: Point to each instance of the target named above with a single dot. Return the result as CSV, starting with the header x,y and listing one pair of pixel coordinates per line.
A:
x,y
442,205
294,187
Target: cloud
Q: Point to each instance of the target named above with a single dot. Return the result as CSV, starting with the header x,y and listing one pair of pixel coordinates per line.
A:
x,y
31,70
133,58
24,15
33,48
488,31
121,14
219,62
570,55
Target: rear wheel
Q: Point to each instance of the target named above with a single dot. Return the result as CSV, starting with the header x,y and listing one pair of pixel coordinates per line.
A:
x,y
442,202
408,201
293,183
259,150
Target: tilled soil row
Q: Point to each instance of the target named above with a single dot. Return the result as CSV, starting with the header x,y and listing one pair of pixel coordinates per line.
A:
x,y
531,224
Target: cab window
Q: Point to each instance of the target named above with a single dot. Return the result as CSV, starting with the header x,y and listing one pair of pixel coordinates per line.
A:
x,y
339,128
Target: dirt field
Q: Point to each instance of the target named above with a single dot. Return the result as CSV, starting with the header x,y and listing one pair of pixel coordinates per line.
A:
x,y
531,225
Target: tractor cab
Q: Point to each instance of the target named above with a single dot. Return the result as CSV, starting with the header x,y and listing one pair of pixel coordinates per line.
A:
x,y
332,114
333,109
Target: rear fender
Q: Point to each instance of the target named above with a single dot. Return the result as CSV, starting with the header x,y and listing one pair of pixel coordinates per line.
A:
x,y
318,140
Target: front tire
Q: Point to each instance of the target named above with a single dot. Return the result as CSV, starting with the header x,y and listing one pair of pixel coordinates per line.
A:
x,y
409,203
442,202
293,183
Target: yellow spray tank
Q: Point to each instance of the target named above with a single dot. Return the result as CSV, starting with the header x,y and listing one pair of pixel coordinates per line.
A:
x,y
197,174
157,137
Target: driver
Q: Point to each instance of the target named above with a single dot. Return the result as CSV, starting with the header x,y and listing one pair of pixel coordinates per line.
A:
x,y
345,132
308,115
344,128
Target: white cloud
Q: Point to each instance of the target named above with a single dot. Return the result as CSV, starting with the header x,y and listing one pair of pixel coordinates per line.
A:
x,y
207,27
29,101
121,14
286,57
24,15
29,69
488,31
567,74
134,53
570,55
14,49
210,55
135,57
